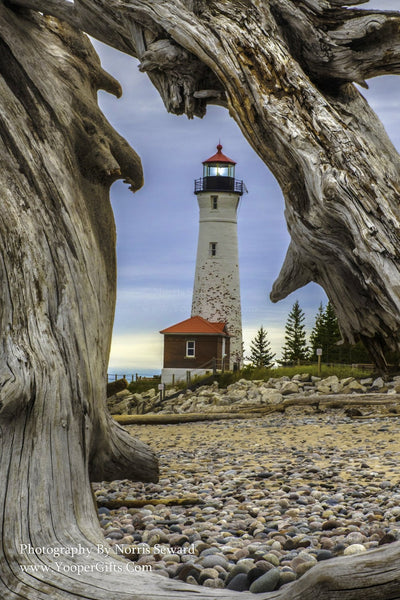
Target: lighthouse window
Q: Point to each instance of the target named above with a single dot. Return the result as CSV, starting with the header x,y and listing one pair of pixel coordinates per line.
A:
x,y
190,349
213,248
214,202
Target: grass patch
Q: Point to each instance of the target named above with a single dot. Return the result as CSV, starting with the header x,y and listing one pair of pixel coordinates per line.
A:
x,y
143,385
254,373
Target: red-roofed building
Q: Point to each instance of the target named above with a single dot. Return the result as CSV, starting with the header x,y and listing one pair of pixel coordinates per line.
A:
x,y
195,325
196,346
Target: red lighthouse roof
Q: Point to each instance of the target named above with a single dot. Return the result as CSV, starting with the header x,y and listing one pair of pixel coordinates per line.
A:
x,y
219,157
197,325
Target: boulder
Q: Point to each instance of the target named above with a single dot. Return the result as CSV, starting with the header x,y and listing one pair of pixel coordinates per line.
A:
x,y
377,384
302,377
208,392
270,396
323,389
150,393
237,395
123,394
329,383
354,387
120,408
289,387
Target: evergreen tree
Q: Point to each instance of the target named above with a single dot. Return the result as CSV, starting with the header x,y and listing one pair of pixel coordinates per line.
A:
x,y
326,334
332,335
260,348
316,335
295,348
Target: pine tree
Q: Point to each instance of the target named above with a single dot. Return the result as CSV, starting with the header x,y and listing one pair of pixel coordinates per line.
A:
x,y
326,334
316,335
260,348
332,335
295,348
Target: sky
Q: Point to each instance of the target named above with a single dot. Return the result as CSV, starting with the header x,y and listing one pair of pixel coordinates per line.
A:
x,y
157,226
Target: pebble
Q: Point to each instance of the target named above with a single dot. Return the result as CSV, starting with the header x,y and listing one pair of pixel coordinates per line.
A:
x,y
213,560
270,505
266,583
324,554
239,583
354,549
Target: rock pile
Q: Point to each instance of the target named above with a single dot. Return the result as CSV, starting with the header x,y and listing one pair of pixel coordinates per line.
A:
x,y
126,403
247,394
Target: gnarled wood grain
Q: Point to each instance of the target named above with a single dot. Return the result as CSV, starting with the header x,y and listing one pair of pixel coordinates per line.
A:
x,y
284,69
58,158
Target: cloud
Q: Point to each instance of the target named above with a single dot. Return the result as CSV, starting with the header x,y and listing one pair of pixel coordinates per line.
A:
x,y
274,335
382,4
135,352
150,309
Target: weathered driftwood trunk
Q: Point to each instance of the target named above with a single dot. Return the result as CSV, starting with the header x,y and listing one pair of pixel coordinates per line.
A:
x,y
58,157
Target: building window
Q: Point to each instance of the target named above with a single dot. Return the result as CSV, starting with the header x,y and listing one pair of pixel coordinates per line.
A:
x,y
190,349
214,202
213,248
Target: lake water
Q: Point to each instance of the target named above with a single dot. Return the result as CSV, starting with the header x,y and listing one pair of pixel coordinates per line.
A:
x,y
130,373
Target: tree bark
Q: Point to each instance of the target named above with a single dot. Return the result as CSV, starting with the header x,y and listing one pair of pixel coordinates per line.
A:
x,y
284,69
58,157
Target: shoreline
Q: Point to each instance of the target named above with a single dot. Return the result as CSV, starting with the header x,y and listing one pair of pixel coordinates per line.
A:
x,y
277,494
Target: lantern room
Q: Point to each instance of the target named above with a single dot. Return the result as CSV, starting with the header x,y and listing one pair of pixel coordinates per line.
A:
x,y
219,175
219,165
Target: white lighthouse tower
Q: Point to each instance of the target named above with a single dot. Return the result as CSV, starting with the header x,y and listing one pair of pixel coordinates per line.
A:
x,y
216,291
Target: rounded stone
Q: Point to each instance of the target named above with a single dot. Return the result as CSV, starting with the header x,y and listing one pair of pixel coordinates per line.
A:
x,y
115,535
354,549
286,577
355,537
339,548
213,583
266,583
241,553
246,563
188,570
177,539
330,524
172,558
324,555
239,583
271,558
254,574
104,511
213,560
208,574
304,567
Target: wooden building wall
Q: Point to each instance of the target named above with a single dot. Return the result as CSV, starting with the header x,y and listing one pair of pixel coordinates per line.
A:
x,y
207,347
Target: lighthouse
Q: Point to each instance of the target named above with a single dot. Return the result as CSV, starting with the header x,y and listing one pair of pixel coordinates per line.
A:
x,y
216,290
212,336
